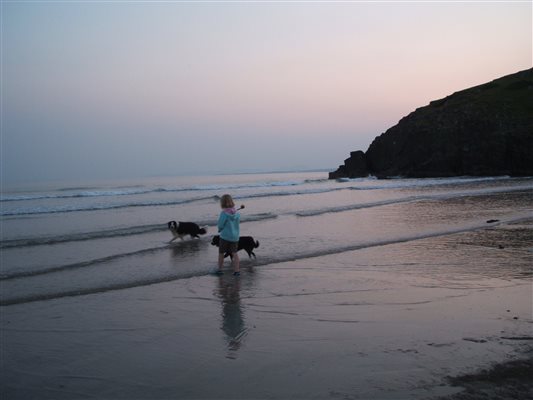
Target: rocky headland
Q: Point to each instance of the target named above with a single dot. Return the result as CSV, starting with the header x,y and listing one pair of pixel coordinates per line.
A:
x,y
486,130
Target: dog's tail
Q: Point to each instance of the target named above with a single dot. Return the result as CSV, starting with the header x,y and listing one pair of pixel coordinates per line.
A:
x,y
257,243
203,230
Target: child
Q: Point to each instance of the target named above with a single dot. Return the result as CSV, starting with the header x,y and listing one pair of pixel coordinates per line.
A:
x,y
228,228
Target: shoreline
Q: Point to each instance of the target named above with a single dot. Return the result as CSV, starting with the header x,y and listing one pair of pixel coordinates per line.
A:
x,y
388,322
472,227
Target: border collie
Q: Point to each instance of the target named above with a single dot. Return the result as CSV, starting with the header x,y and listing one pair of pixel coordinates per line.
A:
x,y
245,242
181,229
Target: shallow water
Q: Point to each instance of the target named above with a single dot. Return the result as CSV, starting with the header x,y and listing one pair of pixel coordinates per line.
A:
x,y
385,322
67,241
360,289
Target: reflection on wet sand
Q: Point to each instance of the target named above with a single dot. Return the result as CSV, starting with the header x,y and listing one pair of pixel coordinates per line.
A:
x,y
187,247
233,321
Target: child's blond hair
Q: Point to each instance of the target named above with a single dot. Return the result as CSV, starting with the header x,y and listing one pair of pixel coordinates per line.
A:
x,y
226,201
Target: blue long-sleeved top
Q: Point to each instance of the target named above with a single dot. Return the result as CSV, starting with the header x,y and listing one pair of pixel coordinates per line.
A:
x,y
228,226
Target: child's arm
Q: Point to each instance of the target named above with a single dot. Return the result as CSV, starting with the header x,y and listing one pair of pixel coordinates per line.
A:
x,y
221,221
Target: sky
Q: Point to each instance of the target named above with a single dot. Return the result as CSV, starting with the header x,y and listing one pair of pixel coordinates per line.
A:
x,y
130,89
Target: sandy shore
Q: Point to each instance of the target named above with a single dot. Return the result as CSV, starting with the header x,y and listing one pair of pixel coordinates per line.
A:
x,y
506,380
415,320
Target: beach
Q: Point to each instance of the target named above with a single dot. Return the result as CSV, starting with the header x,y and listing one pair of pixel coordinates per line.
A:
x,y
379,155
406,292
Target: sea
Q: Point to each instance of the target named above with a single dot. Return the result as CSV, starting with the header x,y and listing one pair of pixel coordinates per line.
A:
x,y
60,240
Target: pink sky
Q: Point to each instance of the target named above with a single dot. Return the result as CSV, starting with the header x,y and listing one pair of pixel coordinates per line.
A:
x,y
240,86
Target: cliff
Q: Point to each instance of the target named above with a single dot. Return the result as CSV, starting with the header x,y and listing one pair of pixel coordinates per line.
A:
x,y
486,130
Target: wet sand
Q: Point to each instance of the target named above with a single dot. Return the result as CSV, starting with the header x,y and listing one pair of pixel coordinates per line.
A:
x,y
506,380
414,320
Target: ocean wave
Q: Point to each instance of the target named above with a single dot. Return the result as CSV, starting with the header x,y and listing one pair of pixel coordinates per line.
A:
x,y
96,207
113,233
407,199
83,264
401,183
317,180
78,195
7,300
90,192
99,207
288,193
350,207
144,229
248,185
79,237
139,190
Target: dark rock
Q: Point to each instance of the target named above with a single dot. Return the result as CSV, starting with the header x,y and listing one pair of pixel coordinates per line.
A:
x,y
486,130
339,173
354,167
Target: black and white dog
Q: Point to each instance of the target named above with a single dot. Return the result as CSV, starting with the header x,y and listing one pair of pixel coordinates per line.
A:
x,y
245,242
181,229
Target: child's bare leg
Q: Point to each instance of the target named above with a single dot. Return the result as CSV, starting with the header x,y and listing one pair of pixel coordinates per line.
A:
x,y
220,260
235,262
